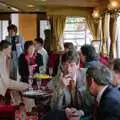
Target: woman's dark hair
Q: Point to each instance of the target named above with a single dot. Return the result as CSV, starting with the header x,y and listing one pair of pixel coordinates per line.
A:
x,y
72,55
4,44
27,45
116,65
69,45
39,40
13,27
89,52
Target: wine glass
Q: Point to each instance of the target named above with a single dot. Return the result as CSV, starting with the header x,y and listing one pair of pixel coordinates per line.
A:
x,y
50,71
39,84
30,83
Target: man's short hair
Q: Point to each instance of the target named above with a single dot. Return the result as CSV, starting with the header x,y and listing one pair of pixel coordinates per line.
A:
x,y
71,56
100,73
39,40
89,52
12,27
69,45
116,65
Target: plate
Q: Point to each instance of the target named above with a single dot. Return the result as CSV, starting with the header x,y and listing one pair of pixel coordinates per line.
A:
x,y
42,76
34,92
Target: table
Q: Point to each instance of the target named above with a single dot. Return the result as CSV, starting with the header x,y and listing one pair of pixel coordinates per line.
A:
x,y
42,99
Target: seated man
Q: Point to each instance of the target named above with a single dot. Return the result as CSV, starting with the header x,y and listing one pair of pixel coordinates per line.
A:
x,y
99,79
68,86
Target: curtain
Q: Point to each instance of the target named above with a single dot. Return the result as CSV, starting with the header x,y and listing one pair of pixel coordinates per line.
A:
x,y
118,37
106,34
92,25
99,31
113,35
57,29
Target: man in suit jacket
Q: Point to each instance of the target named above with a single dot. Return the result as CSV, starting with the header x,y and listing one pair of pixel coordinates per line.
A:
x,y
68,87
99,80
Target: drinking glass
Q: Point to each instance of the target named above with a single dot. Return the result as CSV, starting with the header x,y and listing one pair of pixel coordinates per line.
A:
x,y
50,71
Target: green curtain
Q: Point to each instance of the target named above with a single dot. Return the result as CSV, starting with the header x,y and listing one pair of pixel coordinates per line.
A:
x,y
106,34
113,36
92,25
57,29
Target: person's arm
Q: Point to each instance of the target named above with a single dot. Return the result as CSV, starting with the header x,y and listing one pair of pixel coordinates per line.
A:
x,y
54,84
21,65
19,86
22,41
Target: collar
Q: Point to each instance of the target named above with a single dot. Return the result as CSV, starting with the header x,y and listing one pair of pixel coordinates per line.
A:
x,y
101,93
40,50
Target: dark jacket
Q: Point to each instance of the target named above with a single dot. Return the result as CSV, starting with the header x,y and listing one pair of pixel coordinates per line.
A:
x,y
109,107
23,66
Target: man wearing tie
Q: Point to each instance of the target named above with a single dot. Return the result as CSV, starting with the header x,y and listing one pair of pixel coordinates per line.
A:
x,y
99,80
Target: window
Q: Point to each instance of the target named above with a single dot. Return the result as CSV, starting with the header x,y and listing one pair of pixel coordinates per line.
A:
x,y
44,24
76,31
3,29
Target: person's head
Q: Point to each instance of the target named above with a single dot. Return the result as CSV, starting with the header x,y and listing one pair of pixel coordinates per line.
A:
x,y
38,43
88,53
47,32
12,29
116,65
5,47
70,62
29,47
116,71
22,106
97,77
68,46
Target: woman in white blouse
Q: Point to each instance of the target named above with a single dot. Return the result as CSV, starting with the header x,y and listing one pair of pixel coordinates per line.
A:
x,y
5,81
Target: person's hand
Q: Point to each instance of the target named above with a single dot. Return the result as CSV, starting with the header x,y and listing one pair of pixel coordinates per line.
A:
x,y
65,80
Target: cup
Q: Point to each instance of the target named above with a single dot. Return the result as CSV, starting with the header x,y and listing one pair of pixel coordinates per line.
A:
x,y
50,71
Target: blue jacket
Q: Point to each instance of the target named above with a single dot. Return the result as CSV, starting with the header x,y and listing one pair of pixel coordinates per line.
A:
x,y
109,107
19,44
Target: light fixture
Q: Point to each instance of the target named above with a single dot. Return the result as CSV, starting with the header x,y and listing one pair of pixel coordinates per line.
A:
x,y
113,4
30,6
96,13
43,0
9,6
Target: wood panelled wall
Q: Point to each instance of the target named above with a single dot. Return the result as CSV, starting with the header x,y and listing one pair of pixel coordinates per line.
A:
x,y
28,26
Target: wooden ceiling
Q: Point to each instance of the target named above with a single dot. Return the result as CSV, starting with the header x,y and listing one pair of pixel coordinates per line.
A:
x,y
41,5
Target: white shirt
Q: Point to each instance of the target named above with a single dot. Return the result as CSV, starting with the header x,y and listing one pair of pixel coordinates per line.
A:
x,y
5,81
101,93
44,53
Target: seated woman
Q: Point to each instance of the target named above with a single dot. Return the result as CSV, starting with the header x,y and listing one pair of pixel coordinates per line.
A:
x,y
29,62
5,81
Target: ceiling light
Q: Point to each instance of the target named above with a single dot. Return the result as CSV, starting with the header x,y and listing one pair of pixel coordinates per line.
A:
x,y
114,4
30,6
43,0
96,13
